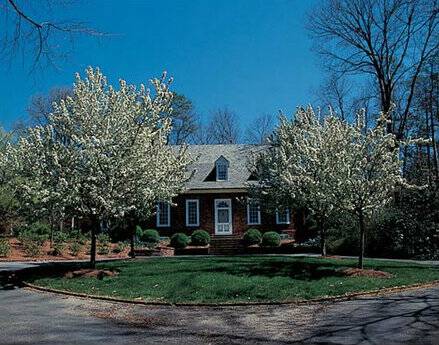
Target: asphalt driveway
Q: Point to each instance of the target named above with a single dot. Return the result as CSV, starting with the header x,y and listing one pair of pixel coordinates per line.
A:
x,y
30,317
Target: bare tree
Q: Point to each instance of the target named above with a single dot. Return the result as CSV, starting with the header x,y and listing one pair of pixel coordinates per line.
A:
x,y
335,92
390,40
28,29
260,129
202,136
184,120
41,106
223,127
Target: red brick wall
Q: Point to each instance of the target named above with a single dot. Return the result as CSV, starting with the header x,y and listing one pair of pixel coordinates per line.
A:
x,y
207,218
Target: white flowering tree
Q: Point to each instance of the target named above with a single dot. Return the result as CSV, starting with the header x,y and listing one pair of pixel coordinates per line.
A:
x,y
372,173
301,168
328,165
103,152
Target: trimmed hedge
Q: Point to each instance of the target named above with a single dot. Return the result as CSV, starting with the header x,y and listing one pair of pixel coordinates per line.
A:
x,y
252,236
150,236
271,239
180,240
200,238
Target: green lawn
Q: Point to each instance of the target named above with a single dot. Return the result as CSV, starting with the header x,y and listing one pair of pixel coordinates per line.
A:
x,y
233,279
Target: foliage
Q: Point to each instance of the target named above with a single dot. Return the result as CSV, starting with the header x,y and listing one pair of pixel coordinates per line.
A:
x,y
151,237
38,229
245,278
97,145
75,248
36,232
310,245
5,247
271,239
103,244
200,238
59,242
252,236
183,117
180,240
304,167
120,247
329,165
31,247
408,228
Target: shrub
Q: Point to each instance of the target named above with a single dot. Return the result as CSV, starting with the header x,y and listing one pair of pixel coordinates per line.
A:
x,y
83,238
179,240
252,236
59,242
271,239
40,229
31,248
200,238
138,232
103,244
36,232
75,248
120,247
310,245
151,237
5,247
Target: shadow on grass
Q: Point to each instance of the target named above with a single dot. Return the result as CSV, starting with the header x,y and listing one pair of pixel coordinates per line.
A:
x,y
298,268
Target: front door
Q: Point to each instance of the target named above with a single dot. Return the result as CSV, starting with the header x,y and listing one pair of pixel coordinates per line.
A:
x,y
223,216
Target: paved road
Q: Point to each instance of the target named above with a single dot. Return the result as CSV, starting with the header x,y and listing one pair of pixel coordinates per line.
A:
x,y
30,317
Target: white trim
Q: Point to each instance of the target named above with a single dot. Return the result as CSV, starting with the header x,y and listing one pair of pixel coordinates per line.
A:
x,y
248,213
287,210
168,223
221,161
229,201
198,212
215,190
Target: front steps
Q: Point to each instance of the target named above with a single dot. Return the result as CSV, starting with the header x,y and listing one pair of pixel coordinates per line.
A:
x,y
226,245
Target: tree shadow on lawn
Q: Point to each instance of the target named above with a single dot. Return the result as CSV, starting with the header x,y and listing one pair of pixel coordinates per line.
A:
x,y
299,269
270,268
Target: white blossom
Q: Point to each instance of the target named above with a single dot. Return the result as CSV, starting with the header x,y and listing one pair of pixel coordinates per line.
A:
x,y
103,152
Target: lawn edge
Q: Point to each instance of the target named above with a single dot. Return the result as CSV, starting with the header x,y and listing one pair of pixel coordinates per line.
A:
x,y
336,298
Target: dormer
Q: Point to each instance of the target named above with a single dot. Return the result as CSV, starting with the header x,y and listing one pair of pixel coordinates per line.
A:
x,y
222,169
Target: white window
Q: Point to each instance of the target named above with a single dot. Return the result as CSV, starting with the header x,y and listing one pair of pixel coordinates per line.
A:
x,y
222,167
192,212
163,214
283,216
253,212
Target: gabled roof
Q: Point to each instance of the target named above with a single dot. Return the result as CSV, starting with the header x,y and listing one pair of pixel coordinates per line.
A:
x,y
204,166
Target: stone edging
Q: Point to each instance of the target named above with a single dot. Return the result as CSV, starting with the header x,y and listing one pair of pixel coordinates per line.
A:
x,y
337,298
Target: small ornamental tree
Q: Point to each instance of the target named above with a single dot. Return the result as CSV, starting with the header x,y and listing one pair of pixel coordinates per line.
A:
x,y
102,152
301,168
371,173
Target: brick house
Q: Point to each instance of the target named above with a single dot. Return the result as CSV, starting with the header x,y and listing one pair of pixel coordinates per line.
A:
x,y
216,197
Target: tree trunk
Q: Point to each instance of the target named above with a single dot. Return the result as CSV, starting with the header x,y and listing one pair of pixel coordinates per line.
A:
x,y
51,231
322,237
362,237
94,229
132,252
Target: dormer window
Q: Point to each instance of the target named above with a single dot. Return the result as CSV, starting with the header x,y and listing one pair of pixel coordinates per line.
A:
x,y
222,169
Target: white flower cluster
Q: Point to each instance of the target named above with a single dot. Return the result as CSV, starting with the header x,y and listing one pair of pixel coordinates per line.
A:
x,y
327,164
103,152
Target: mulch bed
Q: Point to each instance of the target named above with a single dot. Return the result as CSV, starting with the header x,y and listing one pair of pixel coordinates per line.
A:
x,y
18,253
91,273
357,272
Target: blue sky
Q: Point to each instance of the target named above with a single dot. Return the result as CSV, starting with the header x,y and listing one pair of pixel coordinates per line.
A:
x,y
252,56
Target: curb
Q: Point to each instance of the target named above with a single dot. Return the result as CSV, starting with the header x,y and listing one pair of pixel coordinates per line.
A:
x,y
337,298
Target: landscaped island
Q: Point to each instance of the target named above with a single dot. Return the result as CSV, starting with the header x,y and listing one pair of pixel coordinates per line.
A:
x,y
240,279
